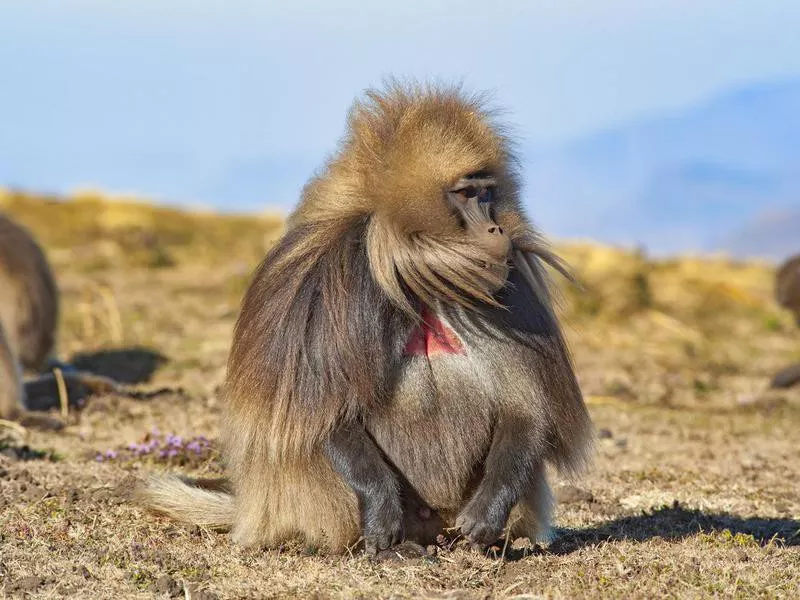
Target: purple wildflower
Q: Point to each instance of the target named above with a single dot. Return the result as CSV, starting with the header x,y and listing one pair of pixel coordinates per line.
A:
x,y
175,441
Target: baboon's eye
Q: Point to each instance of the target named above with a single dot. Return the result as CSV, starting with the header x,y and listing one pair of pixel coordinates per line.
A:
x,y
486,195
467,192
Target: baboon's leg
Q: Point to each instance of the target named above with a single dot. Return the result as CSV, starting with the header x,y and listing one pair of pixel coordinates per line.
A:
x,y
535,510
510,470
359,461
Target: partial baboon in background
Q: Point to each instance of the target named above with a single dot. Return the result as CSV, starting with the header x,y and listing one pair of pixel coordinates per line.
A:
x,y
787,293
397,360
28,317
787,286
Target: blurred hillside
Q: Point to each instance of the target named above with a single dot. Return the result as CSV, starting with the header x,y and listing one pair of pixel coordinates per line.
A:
x,y
714,312
90,231
709,178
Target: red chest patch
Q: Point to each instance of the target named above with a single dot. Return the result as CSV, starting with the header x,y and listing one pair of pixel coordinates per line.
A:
x,y
431,337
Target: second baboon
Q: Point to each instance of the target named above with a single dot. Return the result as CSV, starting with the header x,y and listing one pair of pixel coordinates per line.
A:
x,y
397,365
787,286
787,293
28,317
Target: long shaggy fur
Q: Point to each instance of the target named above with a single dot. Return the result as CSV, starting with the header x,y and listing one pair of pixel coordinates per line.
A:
x,y
188,500
319,342
11,390
28,311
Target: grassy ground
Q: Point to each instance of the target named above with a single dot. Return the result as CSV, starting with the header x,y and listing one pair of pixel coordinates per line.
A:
x,y
693,493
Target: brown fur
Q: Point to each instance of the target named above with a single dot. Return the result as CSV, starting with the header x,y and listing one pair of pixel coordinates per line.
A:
x,y
28,312
787,286
787,293
319,342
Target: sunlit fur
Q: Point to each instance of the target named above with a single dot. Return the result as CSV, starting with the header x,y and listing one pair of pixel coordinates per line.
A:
x,y
403,148
320,336
28,311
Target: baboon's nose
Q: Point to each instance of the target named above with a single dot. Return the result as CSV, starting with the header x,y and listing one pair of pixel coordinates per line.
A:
x,y
494,241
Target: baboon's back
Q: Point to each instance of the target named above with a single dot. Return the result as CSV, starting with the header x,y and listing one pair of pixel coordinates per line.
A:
x,y
28,295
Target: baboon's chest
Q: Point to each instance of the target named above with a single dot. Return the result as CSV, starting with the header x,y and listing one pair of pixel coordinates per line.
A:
x,y
437,426
432,337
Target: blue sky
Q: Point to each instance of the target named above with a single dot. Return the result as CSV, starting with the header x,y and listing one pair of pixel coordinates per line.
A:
x,y
186,99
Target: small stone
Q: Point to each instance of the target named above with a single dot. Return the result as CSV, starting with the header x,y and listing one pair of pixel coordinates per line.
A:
x,y
783,508
167,585
197,594
521,543
26,584
742,555
604,434
400,552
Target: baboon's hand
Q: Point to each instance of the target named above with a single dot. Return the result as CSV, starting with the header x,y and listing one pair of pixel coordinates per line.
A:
x,y
483,519
383,525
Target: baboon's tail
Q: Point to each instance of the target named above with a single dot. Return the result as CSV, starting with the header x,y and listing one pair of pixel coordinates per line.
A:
x,y
206,502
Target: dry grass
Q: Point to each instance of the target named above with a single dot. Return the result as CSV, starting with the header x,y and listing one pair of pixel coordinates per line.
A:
x,y
693,492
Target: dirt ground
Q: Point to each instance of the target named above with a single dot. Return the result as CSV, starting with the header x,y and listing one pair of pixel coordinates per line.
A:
x,y
694,491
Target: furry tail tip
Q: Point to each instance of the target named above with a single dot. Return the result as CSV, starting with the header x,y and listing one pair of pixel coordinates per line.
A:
x,y
187,500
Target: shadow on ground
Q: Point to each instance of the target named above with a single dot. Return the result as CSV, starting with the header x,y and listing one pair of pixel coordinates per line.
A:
x,y
675,523
124,365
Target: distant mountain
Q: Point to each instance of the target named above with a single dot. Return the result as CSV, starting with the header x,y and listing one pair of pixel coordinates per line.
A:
x,y
698,180
773,235
708,178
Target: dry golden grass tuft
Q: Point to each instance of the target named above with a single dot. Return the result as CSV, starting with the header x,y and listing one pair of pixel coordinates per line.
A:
x,y
89,231
693,492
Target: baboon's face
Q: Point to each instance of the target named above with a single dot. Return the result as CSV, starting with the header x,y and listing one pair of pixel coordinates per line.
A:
x,y
473,201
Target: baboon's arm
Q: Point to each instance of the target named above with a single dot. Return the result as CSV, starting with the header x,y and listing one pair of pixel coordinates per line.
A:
x,y
356,457
510,468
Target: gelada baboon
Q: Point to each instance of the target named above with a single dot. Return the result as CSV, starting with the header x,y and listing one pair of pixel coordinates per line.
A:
x,y
397,366
787,293
787,286
28,317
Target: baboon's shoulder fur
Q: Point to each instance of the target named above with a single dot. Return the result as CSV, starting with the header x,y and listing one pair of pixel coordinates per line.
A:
x,y
28,295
